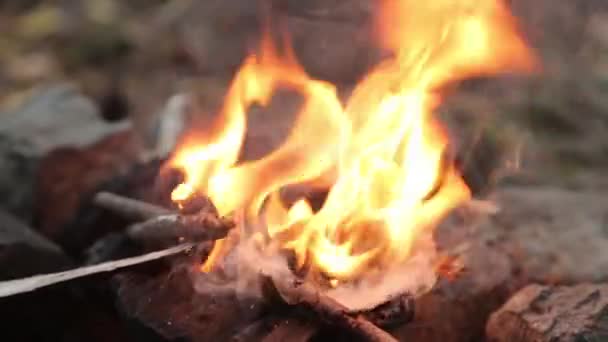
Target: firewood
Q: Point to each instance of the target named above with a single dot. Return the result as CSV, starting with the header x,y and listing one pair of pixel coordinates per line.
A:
x,y
304,294
170,229
543,313
157,231
128,207
393,313
13,287
196,203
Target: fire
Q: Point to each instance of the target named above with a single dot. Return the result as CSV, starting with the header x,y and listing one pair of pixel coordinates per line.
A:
x,y
387,155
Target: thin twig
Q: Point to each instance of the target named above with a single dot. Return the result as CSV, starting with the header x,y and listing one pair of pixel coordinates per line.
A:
x,y
13,287
298,292
171,229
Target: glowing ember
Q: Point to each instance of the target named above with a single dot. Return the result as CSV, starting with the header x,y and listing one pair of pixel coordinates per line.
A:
x,y
392,180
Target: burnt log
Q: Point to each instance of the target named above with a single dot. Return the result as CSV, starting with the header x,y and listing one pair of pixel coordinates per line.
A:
x,y
393,313
162,228
544,313
171,229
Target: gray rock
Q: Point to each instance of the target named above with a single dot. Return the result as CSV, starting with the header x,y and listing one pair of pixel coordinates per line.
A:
x,y
23,252
52,117
551,234
543,235
57,116
543,313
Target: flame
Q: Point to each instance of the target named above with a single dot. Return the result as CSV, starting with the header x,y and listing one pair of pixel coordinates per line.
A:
x,y
388,156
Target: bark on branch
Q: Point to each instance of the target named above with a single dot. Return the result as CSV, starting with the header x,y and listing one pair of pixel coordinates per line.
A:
x,y
302,293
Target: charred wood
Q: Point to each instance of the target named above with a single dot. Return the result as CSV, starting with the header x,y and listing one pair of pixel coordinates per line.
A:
x,y
196,203
393,313
171,229
300,293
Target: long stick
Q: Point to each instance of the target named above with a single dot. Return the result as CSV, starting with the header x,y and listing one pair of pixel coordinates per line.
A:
x,y
171,229
297,292
13,287
128,207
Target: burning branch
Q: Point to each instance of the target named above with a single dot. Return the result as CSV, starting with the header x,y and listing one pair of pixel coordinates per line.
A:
x,y
171,229
199,221
298,292
159,230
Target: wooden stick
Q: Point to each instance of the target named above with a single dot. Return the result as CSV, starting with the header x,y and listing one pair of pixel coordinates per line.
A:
x,y
13,287
394,312
171,229
297,292
128,207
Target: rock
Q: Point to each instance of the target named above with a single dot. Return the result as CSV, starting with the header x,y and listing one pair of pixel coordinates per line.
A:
x,y
57,313
539,235
66,176
340,33
177,312
86,222
552,235
57,116
23,252
337,10
542,313
346,48
218,33
456,310
52,117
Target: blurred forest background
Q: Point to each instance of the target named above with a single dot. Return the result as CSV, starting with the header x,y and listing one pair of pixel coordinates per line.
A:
x,y
128,58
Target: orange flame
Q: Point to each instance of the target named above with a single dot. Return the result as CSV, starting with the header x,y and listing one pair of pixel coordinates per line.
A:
x,y
392,179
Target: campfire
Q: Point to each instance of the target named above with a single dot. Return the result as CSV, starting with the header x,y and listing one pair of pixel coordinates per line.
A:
x,y
383,159
340,218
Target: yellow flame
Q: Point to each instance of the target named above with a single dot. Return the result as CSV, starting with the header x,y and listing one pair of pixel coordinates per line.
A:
x,y
385,151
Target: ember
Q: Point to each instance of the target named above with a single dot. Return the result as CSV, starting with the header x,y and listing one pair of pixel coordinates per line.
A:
x,y
383,157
